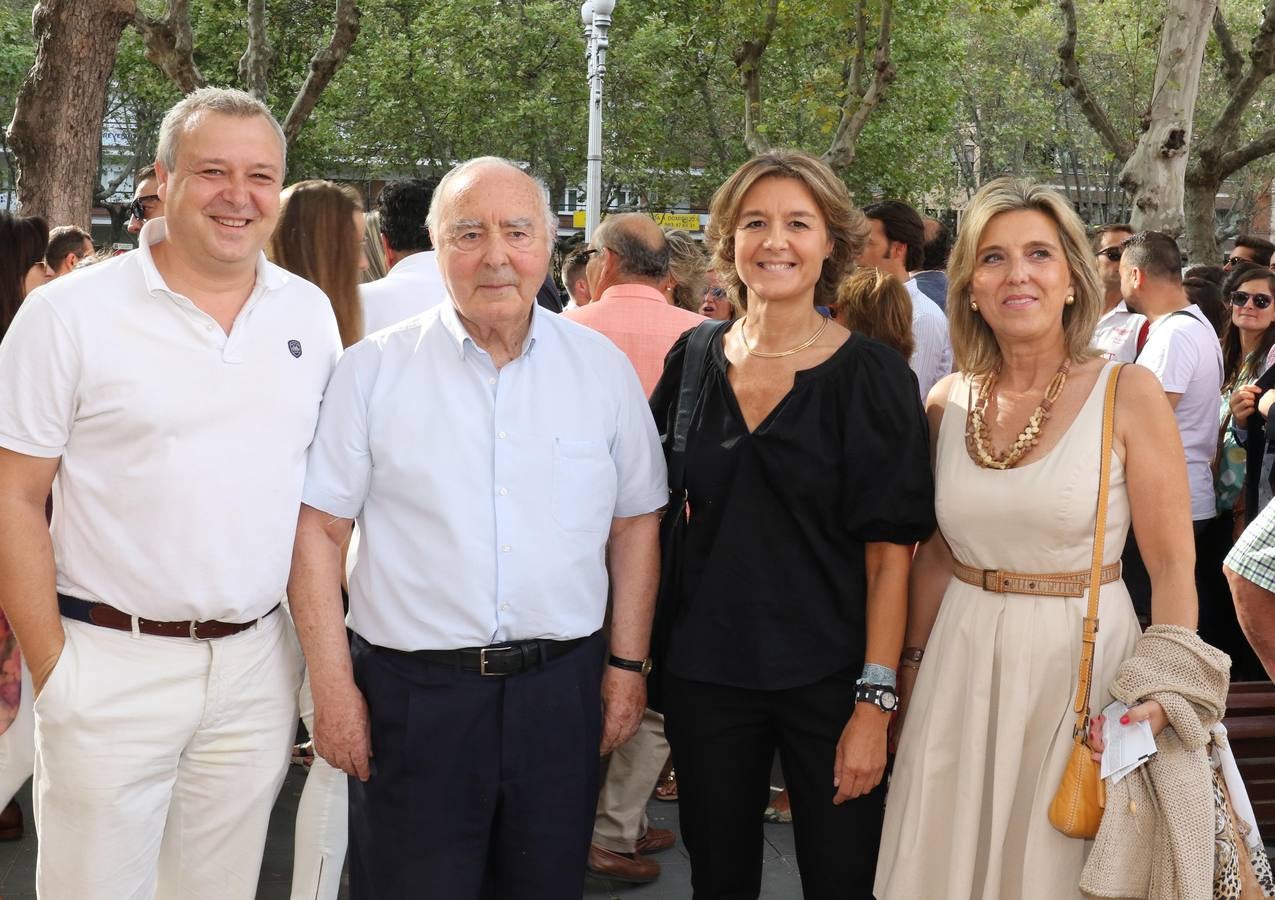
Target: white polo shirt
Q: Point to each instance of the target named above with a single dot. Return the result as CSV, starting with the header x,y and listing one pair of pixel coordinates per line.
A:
x,y
411,287
484,496
1116,334
182,448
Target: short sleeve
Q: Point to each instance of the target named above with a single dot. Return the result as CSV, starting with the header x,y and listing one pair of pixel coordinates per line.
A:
x,y
40,369
889,486
339,465
642,480
1173,359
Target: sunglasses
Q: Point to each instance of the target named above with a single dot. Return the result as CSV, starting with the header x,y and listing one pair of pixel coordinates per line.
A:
x,y
717,293
137,209
585,254
1260,301
1112,253
1237,260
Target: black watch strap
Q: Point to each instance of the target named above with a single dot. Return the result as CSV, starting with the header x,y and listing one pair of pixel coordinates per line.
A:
x,y
641,666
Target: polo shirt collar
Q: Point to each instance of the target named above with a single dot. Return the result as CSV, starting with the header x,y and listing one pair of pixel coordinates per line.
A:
x,y
634,291
450,319
269,277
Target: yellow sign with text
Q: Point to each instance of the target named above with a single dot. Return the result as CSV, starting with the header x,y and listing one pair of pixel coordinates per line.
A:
x,y
685,221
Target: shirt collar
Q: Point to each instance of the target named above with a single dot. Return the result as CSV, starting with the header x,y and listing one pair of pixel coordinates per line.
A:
x,y
420,260
450,319
633,291
269,277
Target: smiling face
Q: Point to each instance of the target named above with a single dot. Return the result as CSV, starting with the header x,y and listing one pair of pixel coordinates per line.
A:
x,y
781,240
221,200
492,248
1248,317
1021,279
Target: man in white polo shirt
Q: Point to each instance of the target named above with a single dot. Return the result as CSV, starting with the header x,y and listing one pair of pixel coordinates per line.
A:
x,y
173,392
502,462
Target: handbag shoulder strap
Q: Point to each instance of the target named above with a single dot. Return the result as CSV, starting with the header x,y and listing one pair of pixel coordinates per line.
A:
x,y
694,363
1090,634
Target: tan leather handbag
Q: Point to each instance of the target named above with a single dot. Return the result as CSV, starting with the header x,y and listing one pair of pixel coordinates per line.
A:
x,y
1077,806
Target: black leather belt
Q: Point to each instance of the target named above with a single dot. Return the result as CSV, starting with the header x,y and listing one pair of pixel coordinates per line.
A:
x,y
509,658
108,616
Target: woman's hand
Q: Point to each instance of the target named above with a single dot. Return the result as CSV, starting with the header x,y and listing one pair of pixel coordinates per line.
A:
x,y
1243,402
1147,711
907,682
860,760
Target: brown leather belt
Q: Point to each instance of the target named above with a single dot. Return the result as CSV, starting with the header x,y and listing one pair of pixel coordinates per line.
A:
x,y
109,617
1048,584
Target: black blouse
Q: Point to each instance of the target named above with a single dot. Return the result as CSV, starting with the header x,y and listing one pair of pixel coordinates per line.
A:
x,y
773,585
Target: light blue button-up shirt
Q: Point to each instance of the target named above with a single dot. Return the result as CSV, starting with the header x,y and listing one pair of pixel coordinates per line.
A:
x,y
484,496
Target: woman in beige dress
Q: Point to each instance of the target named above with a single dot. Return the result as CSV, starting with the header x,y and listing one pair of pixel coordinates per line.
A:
x,y
988,725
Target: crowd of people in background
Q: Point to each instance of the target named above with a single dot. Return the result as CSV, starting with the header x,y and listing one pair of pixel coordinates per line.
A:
x,y
818,487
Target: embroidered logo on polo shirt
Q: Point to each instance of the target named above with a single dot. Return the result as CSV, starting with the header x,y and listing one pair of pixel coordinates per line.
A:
x,y
294,347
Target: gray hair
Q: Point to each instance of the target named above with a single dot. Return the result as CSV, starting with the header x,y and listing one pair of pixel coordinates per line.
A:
x,y
227,102
433,221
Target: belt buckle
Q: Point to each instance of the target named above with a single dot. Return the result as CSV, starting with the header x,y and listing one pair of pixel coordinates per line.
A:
x,y
194,632
995,575
482,659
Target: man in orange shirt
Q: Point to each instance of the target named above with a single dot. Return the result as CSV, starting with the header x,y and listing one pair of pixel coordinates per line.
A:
x,y
627,271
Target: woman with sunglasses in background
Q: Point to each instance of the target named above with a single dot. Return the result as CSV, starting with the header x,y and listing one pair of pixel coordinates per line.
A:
x,y
1248,350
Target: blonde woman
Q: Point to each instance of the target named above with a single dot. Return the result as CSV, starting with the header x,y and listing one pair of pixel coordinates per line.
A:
x,y
988,724
687,269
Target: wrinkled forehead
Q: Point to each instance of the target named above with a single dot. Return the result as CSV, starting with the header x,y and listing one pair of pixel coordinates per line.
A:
x,y
493,196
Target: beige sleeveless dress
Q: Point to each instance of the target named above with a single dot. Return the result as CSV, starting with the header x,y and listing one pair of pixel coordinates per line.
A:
x,y
988,731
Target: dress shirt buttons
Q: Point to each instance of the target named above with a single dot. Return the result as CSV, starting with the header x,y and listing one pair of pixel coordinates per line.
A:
x,y
500,434
491,381
505,549
504,607
208,327
503,491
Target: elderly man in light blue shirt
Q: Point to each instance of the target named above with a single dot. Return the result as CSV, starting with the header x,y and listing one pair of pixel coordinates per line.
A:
x,y
505,472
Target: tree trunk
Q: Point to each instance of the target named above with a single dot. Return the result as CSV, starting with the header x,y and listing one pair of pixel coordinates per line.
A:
x,y
56,132
254,65
1201,232
1154,175
748,63
323,66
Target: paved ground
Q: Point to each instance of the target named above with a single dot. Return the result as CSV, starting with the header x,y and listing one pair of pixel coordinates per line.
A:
x,y
779,880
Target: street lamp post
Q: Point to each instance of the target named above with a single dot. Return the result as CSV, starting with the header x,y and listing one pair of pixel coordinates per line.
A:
x,y
596,15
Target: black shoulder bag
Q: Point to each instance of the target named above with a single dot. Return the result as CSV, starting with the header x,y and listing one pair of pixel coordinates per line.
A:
x,y
673,523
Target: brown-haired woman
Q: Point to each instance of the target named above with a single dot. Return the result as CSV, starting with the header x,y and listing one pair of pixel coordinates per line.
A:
x,y
319,237
875,304
794,564
987,731
23,241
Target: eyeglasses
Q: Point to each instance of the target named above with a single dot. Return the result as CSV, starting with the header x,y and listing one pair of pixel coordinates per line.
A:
x,y
1112,253
1237,260
717,293
1260,301
140,208
584,255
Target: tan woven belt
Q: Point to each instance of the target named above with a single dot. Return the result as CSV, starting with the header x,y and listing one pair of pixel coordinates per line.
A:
x,y
1050,584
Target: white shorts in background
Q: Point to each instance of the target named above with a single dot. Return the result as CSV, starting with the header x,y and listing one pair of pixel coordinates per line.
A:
x,y
158,761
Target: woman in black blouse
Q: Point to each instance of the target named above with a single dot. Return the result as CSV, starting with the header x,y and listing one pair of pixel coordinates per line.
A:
x,y
808,478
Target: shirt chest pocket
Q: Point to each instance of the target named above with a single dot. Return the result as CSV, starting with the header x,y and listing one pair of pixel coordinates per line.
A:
x,y
584,485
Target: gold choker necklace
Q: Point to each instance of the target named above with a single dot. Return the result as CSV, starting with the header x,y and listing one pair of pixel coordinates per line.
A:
x,y
977,440
743,336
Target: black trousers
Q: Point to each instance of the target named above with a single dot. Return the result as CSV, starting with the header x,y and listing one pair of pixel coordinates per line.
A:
x,y
1138,581
482,786
724,740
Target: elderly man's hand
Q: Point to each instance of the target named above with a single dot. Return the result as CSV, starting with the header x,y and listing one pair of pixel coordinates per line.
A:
x,y
342,732
623,704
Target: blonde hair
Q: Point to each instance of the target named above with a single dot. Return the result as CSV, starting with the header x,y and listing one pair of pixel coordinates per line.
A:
x,y
373,248
974,344
876,304
687,264
845,222
317,240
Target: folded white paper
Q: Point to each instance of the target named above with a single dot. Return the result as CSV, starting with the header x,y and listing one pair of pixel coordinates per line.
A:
x,y
1125,746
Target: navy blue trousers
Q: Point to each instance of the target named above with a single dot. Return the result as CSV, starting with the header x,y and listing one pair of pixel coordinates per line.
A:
x,y
481,787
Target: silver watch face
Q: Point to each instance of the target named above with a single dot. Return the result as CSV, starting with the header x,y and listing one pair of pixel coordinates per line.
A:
x,y
889,701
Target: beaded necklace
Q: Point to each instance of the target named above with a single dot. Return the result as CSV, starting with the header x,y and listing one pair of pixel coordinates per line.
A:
x,y
977,439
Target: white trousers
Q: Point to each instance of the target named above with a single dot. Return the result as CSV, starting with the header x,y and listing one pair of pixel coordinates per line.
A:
x,y
323,826
17,745
158,761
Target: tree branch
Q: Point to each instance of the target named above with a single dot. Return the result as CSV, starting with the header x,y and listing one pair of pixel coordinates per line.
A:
x,y
170,44
855,82
1119,145
323,66
1232,59
748,63
254,65
1212,148
1230,163
855,110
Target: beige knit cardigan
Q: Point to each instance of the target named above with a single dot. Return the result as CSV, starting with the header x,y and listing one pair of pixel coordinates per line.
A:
x,y
1156,837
